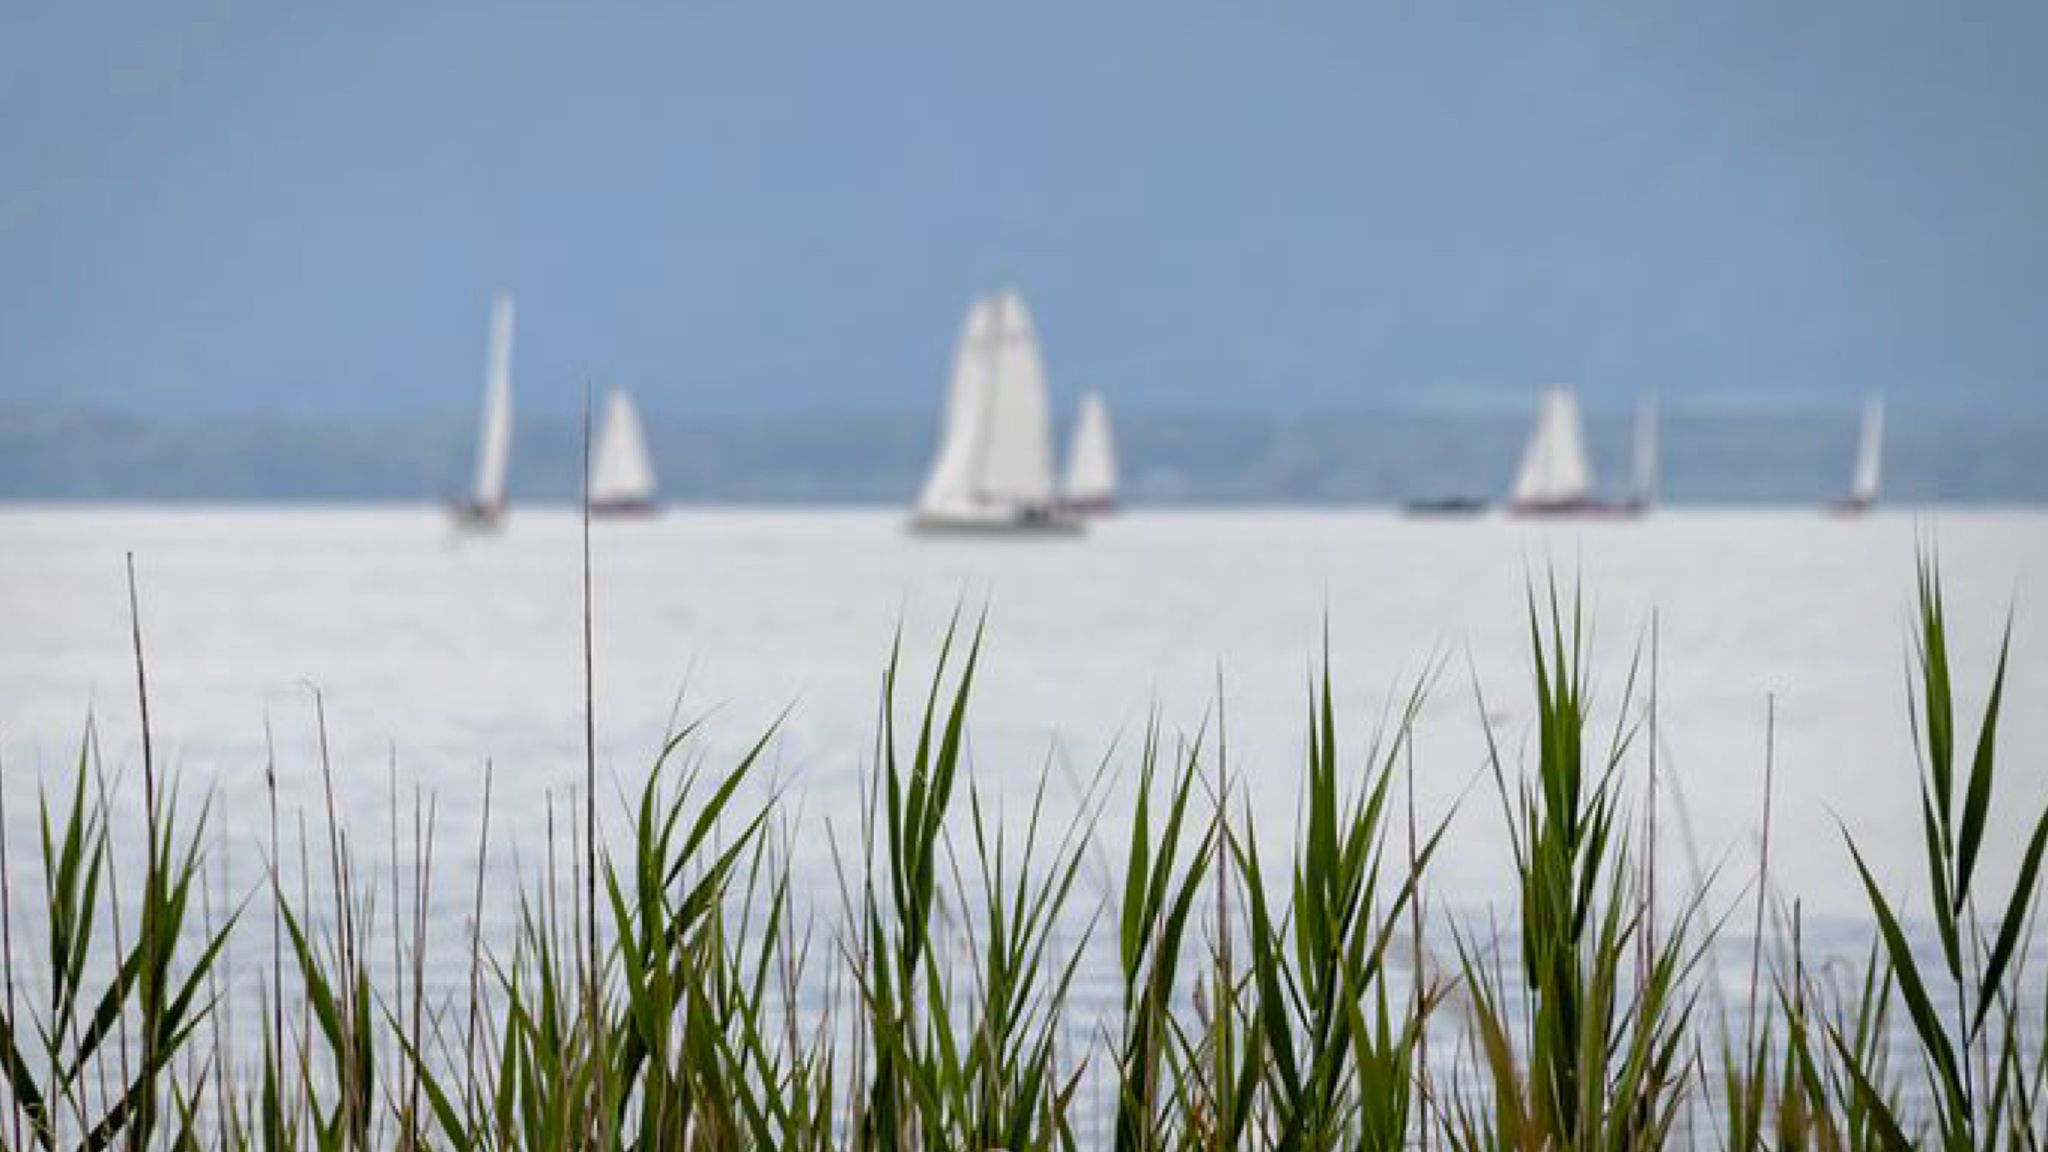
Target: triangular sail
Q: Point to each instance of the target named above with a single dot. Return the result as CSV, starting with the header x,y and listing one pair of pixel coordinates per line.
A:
x,y
1091,462
621,472
494,436
1555,469
1869,453
952,479
1016,457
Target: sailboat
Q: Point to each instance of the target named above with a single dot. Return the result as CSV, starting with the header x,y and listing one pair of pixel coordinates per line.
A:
x,y
621,474
1555,477
993,470
485,506
1091,462
1863,486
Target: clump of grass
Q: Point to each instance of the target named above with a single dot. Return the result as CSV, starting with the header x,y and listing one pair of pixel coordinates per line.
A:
x,y
1338,1045
1983,1083
1160,891
126,993
1597,1057
674,990
967,1063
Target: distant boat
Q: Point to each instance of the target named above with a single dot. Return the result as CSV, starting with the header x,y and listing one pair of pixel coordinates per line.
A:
x,y
1445,506
1644,495
621,474
993,471
1864,485
1555,477
1091,461
485,506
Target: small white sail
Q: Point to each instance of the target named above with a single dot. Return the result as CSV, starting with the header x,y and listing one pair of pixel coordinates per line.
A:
x,y
1646,454
1869,453
1091,462
621,475
494,436
1555,470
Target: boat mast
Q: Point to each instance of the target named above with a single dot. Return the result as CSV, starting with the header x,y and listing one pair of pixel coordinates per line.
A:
x,y
1869,453
1646,452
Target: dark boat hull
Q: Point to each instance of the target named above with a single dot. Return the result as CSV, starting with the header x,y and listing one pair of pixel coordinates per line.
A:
x,y
1451,506
624,509
472,516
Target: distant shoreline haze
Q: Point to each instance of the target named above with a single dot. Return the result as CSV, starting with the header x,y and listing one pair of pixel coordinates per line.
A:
x,y
1169,458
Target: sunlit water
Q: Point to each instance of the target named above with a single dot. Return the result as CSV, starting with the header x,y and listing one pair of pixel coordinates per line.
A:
x,y
436,655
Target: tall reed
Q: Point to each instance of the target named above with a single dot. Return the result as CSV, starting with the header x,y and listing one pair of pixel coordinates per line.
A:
x,y
1588,1051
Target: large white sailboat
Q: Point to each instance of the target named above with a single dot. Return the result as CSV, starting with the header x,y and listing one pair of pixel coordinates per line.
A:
x,y
485,505
1864,485
1091,479
621,473
1556,476
993,471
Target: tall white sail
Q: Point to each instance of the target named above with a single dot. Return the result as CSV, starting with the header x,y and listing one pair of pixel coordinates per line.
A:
x,y
1091,462
1555,470
1016,457
621,475
1869,453
494,436
950,486
994,464
1646,453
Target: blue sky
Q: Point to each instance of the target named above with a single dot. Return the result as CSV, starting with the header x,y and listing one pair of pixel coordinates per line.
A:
x,y
301,210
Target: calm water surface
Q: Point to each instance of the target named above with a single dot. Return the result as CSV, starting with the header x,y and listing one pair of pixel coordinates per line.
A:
x,y
437,654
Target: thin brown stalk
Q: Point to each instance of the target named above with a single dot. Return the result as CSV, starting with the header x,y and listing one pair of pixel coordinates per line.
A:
x,y
276,902
1763,871
1421,998
152,991
1646,945
423,856
590,794
303,1085
476,922
7,944
348,944
1220,1021
114,905
218,1021
142,702
552,913
397,906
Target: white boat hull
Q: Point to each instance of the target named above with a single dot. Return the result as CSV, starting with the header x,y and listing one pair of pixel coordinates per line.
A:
x,y
1580,509
996,522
